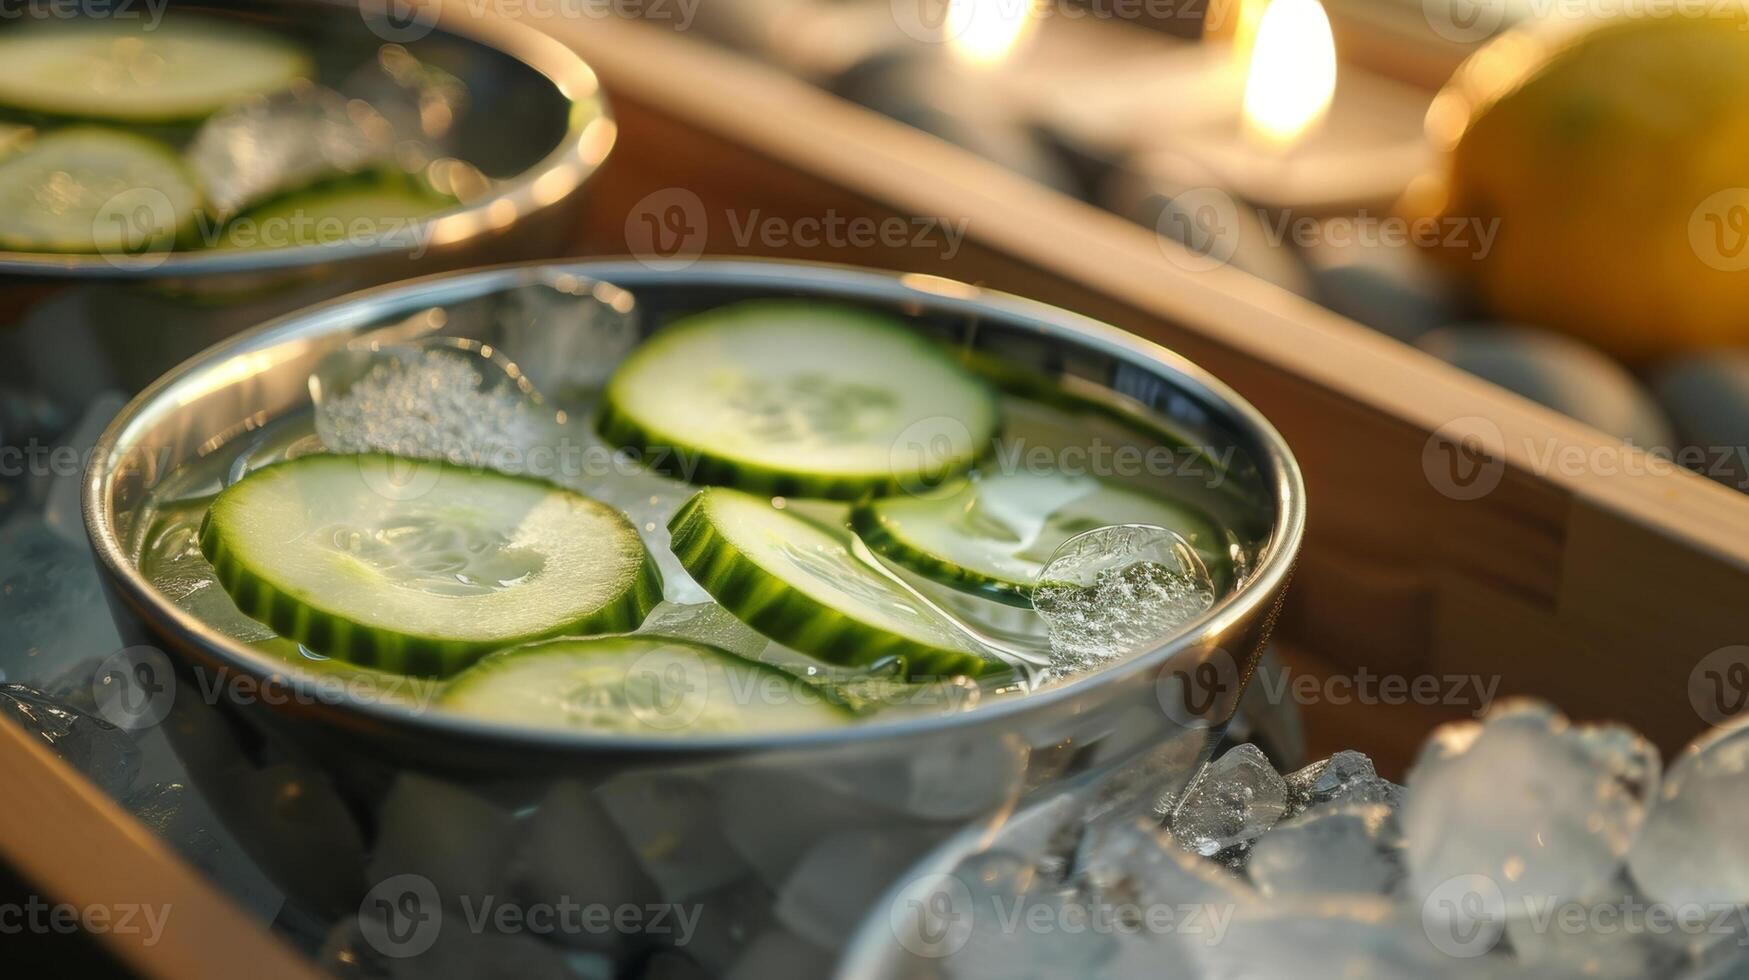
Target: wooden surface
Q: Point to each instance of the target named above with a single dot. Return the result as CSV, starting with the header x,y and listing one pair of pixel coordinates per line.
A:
x,y
1597,586
79,847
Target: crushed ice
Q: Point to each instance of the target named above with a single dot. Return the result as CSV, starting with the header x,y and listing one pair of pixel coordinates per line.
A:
x,y
1523,846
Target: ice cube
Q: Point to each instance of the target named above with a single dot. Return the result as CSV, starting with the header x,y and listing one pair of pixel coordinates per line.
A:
x,y
773,838
1692,849
457,840
568,333
1526,802
62,510
461,952
728,919
320,855
50,602
569,851
1348,848
1114,590
1346,777
442,398
1332,938
671,821
280,142
1233,801
777,953
668,964
107,755
959,776
842,876
163,807
1049,931
1610,940
1140,862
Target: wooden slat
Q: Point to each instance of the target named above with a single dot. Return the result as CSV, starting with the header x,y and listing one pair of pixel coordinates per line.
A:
x,y
1550,553
76,845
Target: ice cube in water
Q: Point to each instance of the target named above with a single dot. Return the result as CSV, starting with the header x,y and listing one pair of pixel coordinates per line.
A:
x,y
568,333
284,141
1112,590
444,398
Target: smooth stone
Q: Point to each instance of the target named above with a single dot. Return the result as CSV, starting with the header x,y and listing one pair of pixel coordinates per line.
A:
x,y
1389,303
925,93
1706,396
1560,372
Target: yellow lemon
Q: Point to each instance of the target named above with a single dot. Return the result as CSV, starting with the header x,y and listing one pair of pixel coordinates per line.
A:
x,y
1611,160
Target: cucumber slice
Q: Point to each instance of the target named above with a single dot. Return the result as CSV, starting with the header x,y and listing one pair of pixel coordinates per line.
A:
x,y
182,69
87,189
422,567
799,398
643,685
797,582
386,211
991,536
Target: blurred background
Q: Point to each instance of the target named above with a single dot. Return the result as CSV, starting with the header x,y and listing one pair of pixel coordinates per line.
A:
x,y
1546,194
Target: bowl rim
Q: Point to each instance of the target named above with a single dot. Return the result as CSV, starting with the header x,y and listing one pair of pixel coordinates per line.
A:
x,y
1276,464
589,137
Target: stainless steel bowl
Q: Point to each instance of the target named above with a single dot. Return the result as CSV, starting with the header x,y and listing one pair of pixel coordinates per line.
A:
x,y
782,841
537,124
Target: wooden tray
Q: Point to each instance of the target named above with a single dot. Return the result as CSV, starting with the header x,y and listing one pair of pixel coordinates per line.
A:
x,y
1598,590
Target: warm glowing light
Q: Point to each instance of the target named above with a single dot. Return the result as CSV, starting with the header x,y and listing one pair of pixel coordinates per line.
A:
x,y
984,32
1293,72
